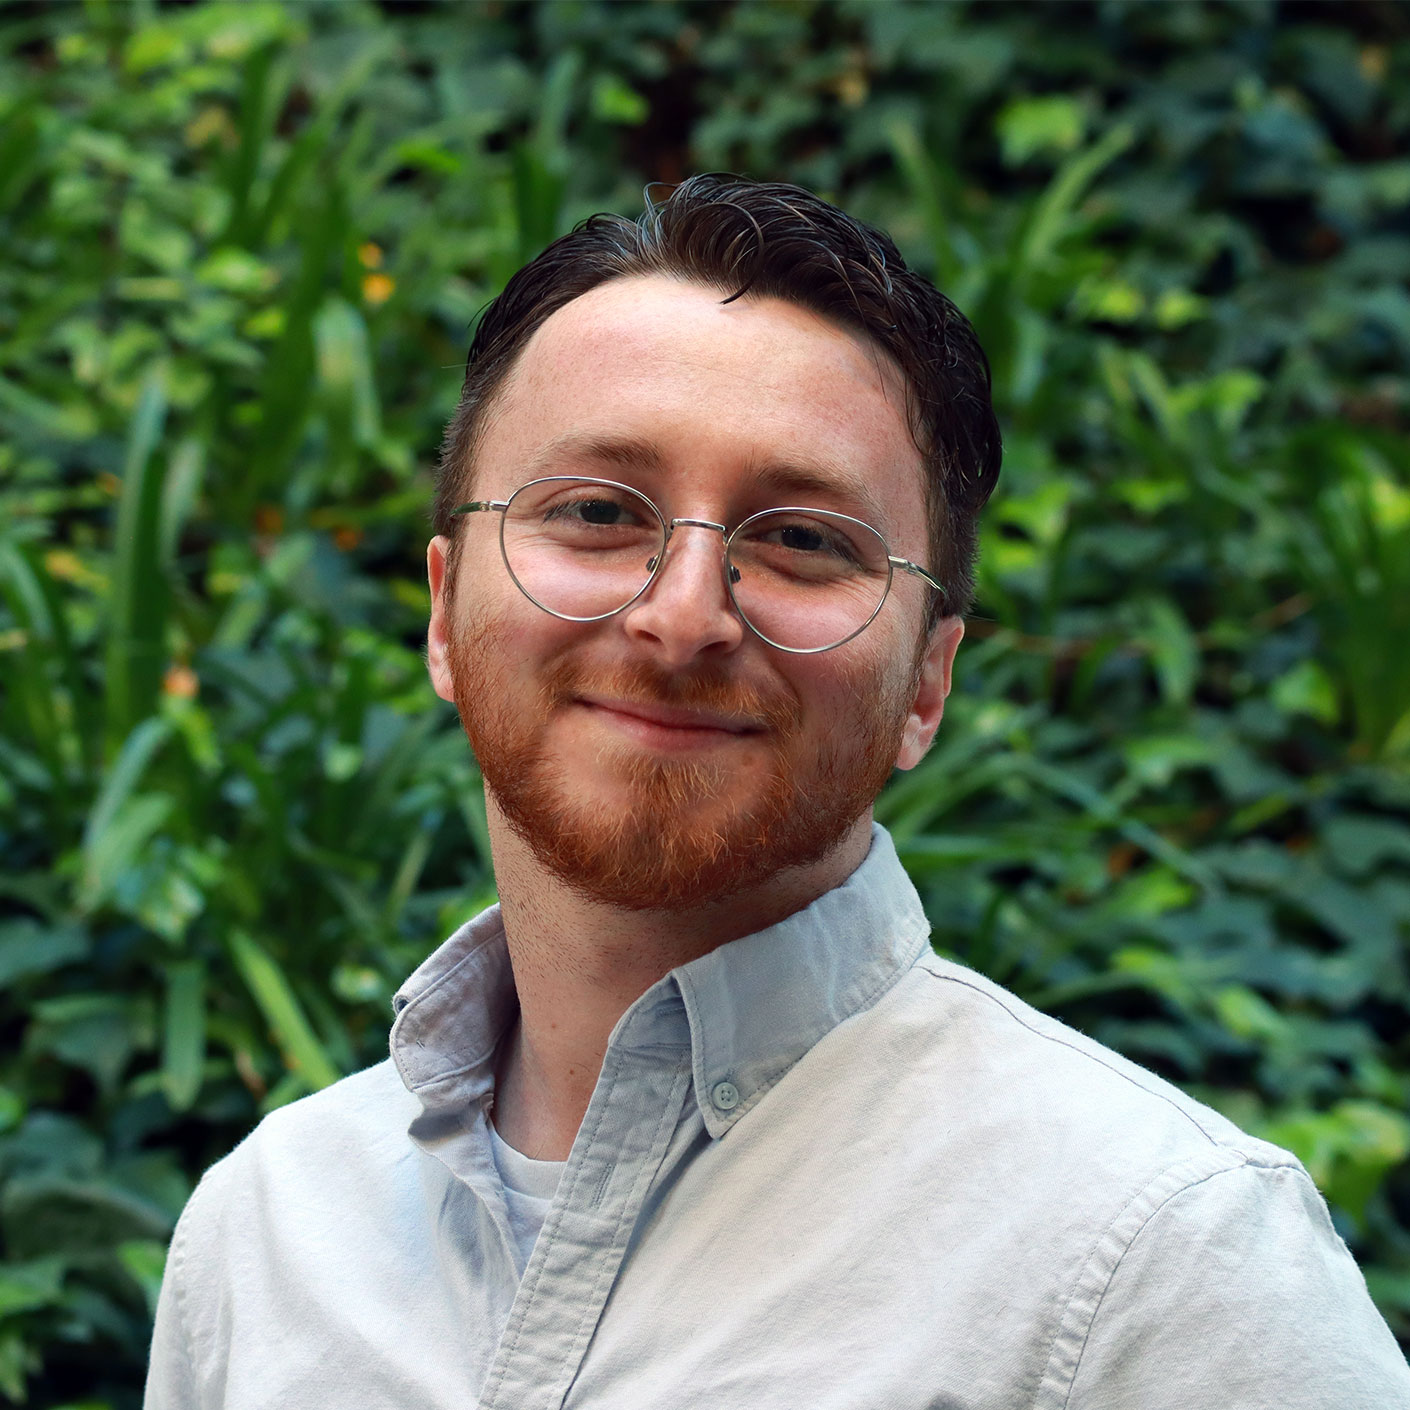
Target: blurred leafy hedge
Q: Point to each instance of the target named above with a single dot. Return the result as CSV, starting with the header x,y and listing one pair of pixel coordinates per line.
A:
x,y
243,246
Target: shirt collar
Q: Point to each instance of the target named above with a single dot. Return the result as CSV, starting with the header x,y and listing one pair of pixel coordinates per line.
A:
x,y
451,1014
757,1005
753,1007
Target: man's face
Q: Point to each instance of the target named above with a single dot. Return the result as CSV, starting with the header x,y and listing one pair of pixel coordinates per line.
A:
x,y
667,757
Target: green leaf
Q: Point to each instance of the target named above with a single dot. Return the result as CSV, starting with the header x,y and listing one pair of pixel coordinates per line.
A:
x,y
46,1216
1247,1014
345,371
184,1033
1361,844
30,947
183,484
155,46
136,754
1174,650
51,1144
615,101
1051,215
12,1110
137,636
1107,300
1157,759
25,1286
1176,308
114,851
271,990
145,1260
1048,126
18,1361
236,271
927,187
122,822
59,721
95,1032
1307,689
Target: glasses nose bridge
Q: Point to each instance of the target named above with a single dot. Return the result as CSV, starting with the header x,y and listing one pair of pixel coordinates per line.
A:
x,y
732,573
673,524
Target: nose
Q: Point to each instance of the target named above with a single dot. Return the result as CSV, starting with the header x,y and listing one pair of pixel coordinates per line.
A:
x,y
687,612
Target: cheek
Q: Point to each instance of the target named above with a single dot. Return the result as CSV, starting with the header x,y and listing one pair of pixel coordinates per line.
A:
x,y
887,693
504,645
851,696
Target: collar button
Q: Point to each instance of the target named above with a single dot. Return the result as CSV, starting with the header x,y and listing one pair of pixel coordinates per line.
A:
x,y
725,1096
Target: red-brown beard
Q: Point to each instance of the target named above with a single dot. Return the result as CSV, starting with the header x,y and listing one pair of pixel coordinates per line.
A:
x,y
696,831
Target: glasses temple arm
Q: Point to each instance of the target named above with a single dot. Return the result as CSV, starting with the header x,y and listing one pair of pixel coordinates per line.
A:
x,y
906,565
471,506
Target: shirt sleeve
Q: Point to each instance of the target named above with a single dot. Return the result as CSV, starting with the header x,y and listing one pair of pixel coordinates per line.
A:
x,y
172,1380
1238,1293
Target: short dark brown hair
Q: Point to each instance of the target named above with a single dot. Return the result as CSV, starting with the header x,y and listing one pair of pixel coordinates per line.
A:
x,y
771,241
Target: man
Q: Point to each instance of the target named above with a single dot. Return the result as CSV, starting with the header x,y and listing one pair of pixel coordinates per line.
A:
x,y
696,1118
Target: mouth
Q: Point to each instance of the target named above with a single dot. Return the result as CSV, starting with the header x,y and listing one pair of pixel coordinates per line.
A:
x,y
669,722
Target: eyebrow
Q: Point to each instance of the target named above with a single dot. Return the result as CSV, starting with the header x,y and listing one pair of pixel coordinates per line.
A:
x,y
804,479
626,452
809,479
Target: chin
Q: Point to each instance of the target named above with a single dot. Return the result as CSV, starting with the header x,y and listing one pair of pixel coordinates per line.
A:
x,y
671,837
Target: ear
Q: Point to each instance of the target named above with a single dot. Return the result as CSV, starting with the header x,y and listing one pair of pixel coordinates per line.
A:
x,y
438,634
929,703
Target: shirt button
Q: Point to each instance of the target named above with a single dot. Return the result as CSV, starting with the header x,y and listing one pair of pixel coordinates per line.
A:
x,y
725,1095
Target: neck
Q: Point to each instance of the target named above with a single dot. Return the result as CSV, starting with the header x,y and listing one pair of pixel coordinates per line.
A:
x,y
579,965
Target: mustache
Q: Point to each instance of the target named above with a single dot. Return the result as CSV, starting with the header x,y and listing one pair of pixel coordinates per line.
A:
x,y
642,683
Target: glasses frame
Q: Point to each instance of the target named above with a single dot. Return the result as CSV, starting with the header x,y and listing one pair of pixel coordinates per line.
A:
x,y
669,526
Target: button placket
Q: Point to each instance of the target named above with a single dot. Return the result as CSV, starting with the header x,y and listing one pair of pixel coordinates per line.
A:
x,y
576,1259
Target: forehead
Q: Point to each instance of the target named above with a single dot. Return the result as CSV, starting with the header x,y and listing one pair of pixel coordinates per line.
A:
x,y
719,390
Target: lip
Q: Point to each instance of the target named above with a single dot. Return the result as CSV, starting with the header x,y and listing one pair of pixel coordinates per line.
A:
x,y
667,717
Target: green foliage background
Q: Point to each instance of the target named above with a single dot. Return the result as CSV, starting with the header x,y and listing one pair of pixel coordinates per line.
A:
x,y
242,249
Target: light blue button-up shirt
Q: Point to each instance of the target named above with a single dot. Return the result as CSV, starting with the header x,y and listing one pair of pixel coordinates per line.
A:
x,y
821,1168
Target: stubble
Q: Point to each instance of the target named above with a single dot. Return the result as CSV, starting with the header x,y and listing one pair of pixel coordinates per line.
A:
x,y
691,831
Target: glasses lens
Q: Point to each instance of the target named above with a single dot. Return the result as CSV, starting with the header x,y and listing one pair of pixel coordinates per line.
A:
x,y
581,548
806,579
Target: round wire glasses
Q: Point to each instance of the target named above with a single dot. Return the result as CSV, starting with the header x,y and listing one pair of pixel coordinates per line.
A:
x,y
803,580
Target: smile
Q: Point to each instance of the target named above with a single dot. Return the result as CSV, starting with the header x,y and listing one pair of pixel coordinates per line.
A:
x,y
667,724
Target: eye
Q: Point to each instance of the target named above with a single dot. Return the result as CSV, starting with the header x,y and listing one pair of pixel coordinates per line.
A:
x,y
804,540
590,511
809,546
603,511
810,539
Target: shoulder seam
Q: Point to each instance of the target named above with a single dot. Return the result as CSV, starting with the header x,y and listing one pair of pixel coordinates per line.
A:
x,y
1183,1184
1245,1163
1063,1043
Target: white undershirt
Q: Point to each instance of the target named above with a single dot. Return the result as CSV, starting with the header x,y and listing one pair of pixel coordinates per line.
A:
x,y
529,1187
